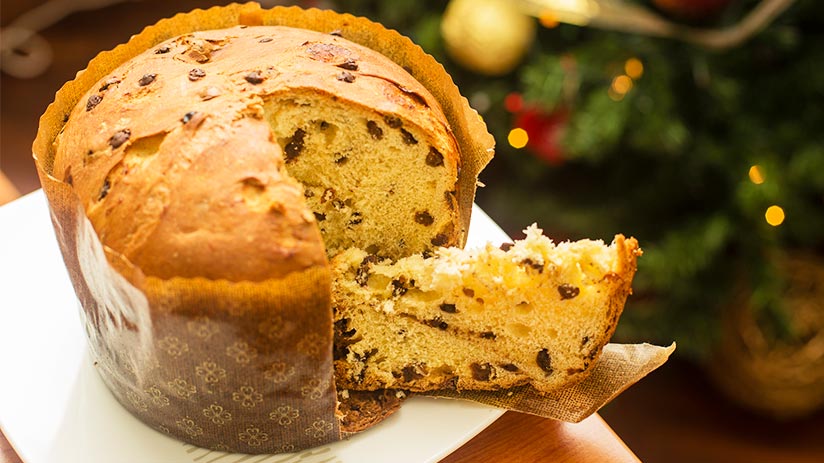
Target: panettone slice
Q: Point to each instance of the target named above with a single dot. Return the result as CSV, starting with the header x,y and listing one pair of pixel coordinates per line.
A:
x,y
537,313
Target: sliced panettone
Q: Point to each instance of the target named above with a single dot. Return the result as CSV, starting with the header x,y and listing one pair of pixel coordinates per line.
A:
x,y
536,313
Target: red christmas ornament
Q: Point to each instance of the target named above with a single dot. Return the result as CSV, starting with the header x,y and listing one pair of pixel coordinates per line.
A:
x,y
692,9
545,133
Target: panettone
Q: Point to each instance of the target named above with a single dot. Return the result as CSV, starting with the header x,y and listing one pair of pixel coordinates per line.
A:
x,y
200,183
533,313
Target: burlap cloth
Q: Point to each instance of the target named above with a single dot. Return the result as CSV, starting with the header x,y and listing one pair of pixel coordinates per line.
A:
x,y
247,366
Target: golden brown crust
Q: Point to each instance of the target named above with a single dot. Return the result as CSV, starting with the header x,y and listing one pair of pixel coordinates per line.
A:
x,y
159,126
620,288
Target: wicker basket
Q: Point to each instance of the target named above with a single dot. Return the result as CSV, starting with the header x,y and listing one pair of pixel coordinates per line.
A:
x,y
777,378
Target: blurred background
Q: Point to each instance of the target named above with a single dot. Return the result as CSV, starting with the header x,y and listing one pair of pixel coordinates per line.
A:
x,y
696,126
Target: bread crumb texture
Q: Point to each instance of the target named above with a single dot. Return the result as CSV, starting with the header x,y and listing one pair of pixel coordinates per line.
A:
x,y
536,313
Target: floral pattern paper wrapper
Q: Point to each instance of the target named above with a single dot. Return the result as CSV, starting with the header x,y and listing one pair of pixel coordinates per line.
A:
x,y
247,366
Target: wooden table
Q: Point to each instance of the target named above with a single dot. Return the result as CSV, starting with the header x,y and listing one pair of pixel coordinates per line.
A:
x,y
516,437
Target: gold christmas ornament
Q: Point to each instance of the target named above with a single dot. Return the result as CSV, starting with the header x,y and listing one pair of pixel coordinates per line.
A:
x,y
487,36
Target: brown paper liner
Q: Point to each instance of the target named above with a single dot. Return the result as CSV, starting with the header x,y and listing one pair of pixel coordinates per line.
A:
x,y
247,366
619,367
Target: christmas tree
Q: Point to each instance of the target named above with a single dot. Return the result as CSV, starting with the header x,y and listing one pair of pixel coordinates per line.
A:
x,y
713,157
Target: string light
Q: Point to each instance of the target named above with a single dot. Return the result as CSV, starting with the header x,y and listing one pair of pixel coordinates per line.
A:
x,y
774,215
619,87
621,84
634,68
518,138
513,102
756,175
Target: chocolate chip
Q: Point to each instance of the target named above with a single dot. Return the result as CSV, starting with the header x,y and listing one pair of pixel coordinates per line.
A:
x,y
411,373
507,246
320,217
188,117
349,65
336,33
146,79
511,367
544,361
568,291
162,49
532,264
449,196
362,274
482,372
393,121
488,335
374,130
342,328
408,138
93,101
468,292
439,240
104,191
448,308
345,76
119,137
254,77
265,40
434,158
438,323
584,341
399,287
593,353
295,145
356,218
196,74
363,357
344,336
424,218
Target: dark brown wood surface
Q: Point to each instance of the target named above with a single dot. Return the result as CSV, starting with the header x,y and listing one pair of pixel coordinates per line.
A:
x,y
673,416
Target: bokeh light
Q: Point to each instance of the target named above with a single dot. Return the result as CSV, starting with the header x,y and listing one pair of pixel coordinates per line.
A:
x,y
548,19
634,68
756,175
774,215
518,138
